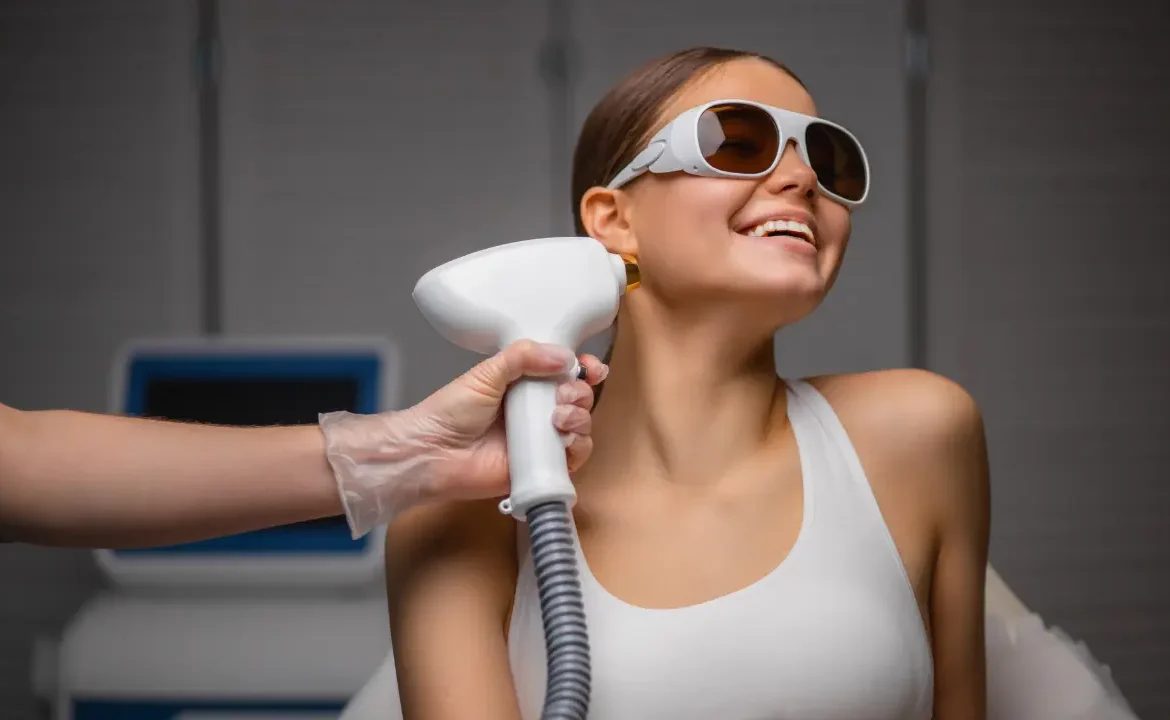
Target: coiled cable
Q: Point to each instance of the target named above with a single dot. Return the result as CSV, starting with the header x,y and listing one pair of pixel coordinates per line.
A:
x,y
562,610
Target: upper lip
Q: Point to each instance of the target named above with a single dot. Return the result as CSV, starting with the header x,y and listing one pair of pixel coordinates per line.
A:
x,y
800,216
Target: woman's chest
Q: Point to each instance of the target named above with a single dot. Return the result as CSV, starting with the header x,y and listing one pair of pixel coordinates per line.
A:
x,y
671,558
675,557
794,646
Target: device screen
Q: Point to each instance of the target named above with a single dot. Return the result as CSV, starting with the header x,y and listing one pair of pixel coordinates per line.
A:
x,y
249,402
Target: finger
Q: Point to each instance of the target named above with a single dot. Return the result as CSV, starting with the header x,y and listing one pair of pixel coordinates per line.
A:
x,y
572,419
577,393
578,452
595,370
521,358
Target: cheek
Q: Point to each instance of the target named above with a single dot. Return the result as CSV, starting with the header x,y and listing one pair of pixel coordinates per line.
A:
x,y
842,233
835,228
684,231
834,225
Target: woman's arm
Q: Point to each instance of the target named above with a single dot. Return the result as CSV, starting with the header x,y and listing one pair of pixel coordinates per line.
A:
x,y
80,479
956,455
450,578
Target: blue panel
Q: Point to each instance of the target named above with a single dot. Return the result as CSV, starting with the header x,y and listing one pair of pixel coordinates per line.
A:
x,y
329,537
332,539
146,369
169,709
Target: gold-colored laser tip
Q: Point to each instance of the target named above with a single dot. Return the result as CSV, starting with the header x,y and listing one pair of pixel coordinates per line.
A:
x,y
633,273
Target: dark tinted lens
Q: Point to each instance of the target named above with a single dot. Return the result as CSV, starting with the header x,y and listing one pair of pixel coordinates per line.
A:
x,y
837,161
749,138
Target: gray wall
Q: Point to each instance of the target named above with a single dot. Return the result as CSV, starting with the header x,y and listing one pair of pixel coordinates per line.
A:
x,y
365,142
98,240
359,153
1048,257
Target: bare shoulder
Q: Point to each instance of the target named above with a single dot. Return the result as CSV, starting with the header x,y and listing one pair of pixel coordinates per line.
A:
x,y
918,430
908,411
457,546
450,577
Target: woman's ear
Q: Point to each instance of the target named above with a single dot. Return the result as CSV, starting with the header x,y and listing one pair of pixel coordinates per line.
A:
x,y
605,214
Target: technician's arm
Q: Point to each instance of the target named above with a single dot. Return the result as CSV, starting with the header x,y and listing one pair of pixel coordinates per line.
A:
x,y
78,479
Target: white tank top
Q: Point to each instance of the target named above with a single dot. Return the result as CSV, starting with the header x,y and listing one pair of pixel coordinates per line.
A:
x,y
833,632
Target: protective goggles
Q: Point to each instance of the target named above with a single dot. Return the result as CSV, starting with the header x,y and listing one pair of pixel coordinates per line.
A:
x,y
744,139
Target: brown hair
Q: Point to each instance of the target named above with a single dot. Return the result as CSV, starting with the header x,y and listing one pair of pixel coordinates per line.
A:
x,y
624,119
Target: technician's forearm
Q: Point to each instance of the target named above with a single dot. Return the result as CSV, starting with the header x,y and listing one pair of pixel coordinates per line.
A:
x,y
70,478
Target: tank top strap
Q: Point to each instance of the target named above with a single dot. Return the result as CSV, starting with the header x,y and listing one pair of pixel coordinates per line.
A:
x,y
822,436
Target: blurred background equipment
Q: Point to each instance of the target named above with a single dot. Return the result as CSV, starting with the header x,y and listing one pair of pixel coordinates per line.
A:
x,y
288,620
259,168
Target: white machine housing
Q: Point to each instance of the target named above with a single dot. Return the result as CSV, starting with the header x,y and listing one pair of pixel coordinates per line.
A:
x,y
150,658
313,555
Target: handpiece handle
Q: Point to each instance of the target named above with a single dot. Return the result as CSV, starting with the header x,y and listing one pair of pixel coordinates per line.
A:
x,y
536,455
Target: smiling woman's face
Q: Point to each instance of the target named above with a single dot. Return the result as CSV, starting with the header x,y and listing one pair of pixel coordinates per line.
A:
x,y
699,238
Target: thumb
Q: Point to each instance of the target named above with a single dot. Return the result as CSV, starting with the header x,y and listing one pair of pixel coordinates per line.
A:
x,y
523,357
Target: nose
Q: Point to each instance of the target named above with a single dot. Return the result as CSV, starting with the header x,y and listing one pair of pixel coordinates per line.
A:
x,y
792,175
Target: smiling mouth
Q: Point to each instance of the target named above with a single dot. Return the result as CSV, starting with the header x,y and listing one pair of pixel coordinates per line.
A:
x,y
783,228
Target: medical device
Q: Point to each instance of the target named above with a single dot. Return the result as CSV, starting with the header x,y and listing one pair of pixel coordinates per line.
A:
x,y
562,291
283,622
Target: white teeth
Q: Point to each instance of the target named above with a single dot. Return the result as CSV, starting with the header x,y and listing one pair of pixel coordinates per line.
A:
x,y
789,226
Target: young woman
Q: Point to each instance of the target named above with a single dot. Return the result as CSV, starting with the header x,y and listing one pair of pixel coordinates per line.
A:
x,y
750,547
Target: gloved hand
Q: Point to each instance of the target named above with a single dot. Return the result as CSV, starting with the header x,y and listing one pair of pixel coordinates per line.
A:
x,y
451,445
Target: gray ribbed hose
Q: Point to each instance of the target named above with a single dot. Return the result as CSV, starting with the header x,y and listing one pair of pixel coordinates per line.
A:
x,y
562,609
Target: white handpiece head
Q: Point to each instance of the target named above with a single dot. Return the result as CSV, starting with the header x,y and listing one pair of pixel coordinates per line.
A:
x,y
560,290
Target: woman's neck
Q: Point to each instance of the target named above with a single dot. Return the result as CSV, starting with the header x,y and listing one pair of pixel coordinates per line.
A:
x,y
684,402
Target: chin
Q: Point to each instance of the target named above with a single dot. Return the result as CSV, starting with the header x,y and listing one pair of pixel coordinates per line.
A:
x,y
783,278
784,297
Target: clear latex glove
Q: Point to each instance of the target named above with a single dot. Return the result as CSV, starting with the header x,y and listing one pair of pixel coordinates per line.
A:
x,y
451,445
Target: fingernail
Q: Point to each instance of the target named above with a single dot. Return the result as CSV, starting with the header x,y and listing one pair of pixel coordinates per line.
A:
x,y
568,439
567,394
604,373
560,415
